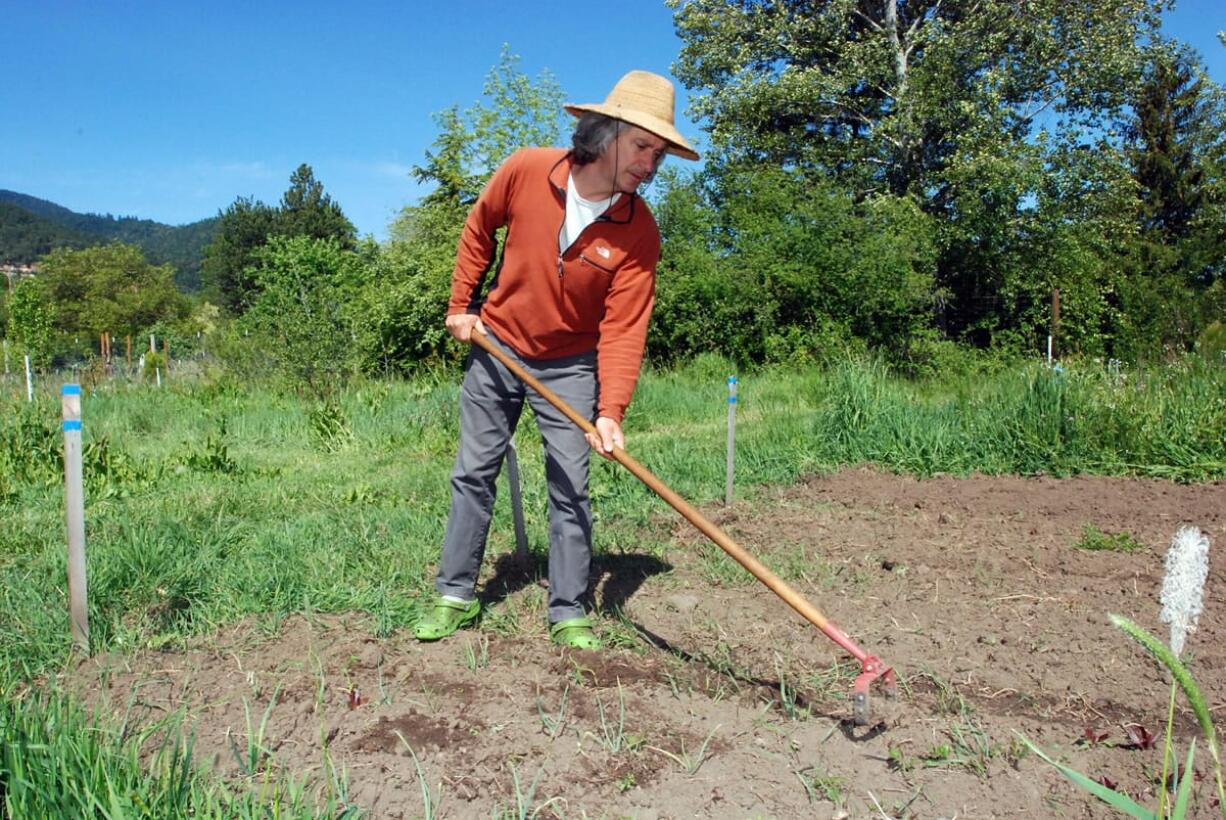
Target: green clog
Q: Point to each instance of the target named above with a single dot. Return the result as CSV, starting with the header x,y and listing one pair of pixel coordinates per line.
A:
x,y
574,632
446,618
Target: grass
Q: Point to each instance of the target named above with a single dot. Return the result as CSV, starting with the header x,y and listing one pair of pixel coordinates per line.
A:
x,y
55,761
689,761
553,724
613,737
208,503
1095,540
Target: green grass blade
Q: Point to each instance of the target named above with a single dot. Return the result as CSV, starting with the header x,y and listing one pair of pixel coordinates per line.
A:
x,y
1186,777
1178,671
1119,802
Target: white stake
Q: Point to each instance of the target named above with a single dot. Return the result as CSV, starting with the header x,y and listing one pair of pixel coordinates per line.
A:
x,y
29,381
157,371
517,502
74,500
731,440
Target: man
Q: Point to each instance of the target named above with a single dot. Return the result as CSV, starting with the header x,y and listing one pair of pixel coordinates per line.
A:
x,y
570,300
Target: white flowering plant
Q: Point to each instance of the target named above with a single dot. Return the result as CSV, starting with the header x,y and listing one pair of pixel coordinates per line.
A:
x,y
1187,568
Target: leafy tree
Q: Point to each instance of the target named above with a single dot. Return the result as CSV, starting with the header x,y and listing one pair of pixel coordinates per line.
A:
x,y
110,288
856,273
957,104
244,227
887,93
31,317
241,229
409,300
303,323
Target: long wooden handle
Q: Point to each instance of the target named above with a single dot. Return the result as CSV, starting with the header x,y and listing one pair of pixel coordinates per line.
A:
x,y
759,570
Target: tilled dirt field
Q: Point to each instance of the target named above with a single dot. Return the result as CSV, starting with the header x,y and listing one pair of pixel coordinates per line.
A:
x,y
716,700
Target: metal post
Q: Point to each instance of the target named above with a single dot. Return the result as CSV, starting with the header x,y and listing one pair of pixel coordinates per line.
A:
x,y
29,381
517,502
74,500
731,440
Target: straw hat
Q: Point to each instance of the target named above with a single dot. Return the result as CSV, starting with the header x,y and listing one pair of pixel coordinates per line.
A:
x,y
646,100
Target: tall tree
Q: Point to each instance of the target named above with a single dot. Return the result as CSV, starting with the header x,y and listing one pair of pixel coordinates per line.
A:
x,y
244,227
111,288
307,211
409,300
888,93
303,321
31,317
1176,140
956,104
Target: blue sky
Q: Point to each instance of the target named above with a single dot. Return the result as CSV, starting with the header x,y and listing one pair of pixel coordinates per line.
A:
x,y
169,111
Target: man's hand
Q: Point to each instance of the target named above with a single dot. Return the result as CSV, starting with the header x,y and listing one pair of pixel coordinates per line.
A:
x,y
610,436
461,325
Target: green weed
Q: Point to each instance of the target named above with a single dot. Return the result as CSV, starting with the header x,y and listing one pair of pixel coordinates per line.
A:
x,y
429,802
690,762
553,724
1093,539
819,785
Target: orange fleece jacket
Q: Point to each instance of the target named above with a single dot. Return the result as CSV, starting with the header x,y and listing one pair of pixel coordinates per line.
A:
x,y
546,302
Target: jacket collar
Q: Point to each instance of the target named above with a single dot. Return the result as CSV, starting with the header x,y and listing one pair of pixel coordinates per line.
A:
x,y
622,211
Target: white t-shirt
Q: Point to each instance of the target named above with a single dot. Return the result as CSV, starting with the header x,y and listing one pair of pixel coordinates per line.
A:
x,y
580,213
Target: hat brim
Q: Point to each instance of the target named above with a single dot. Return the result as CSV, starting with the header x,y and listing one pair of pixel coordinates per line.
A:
x,y
661,128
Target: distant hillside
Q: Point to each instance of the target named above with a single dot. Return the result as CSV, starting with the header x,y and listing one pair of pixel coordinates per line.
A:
x,y
31,227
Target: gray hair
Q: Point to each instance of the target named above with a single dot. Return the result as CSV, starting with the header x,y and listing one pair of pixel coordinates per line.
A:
x,y
592,136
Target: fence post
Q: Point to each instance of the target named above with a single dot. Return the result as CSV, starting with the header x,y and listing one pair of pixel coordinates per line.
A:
x,y
517,502
74,501
731,440
1053,347
29,381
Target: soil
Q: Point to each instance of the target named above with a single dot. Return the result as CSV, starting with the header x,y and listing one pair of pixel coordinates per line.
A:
x,y
715,699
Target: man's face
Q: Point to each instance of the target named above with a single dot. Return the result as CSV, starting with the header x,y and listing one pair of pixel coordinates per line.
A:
x,y
631,158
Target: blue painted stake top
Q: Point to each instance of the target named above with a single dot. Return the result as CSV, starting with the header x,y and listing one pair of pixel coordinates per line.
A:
x,y
71,423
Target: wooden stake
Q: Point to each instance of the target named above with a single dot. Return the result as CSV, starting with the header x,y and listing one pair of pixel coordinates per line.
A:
x,y
731,441
74,500
1055,322
517,502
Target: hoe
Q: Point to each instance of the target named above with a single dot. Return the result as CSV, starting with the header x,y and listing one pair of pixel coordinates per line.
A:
x,y
871,667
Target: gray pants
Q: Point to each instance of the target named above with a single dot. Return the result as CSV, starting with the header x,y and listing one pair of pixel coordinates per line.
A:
x,y
491,401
